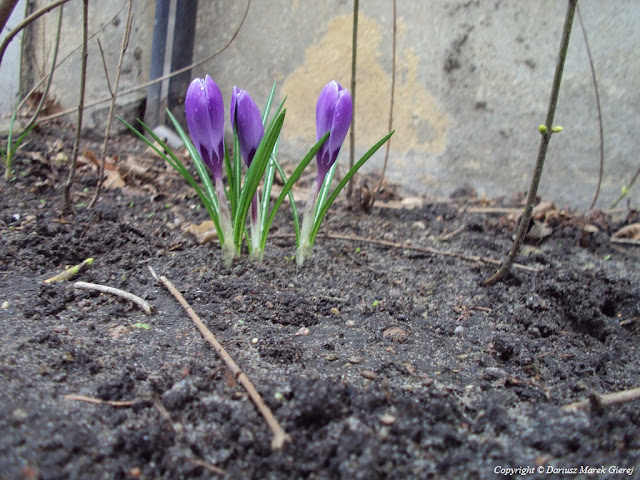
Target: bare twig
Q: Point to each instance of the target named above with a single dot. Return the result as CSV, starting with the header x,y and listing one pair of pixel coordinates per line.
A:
x,y
595,87
46,77
545,133
280,437
625,190
67,274
393,89
354,55
98,401
606,400
144,305
142,86
83,79
207,466
34,16
429,250
114,94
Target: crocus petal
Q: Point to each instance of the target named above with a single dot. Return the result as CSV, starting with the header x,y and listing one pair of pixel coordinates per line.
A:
x,y
246,118
333,113
204,110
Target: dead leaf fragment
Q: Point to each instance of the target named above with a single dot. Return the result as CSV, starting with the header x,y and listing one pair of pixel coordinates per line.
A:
x,y
632,232
204,232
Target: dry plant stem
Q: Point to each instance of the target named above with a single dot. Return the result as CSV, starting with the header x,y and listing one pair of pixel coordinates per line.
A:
x,y
542,150
595,87
67,274
50,76
429,250
142,86
46,77
631,182
280,437
83,80
393,89
98,401
606,400
354,55
145,306
34,16
114,94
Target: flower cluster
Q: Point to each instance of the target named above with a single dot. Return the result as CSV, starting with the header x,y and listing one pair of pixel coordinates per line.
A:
x,y
256,144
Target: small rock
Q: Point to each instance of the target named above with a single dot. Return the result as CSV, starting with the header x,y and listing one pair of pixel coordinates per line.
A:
x,y
495,372
369,374
350,323
459,330
61,329
395,334
303,332
387,419
356,360
5,305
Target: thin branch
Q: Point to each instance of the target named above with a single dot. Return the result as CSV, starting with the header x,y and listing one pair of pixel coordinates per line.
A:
x,y
99,401
49,77
34,16
279,435
46,77
69,273
354,54
595,87
144,305
83,80
429,250
542,150
393,89
625,190
114,94
606,400
142,86
104,66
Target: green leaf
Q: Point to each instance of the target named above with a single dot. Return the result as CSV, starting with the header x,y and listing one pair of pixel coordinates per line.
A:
x,y
142,326
325,207
286,189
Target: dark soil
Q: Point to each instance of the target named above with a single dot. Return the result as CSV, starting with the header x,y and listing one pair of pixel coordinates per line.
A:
x,y
410,368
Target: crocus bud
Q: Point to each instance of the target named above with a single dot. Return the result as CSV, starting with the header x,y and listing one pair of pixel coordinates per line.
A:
x,y
245,112
333,113
204,109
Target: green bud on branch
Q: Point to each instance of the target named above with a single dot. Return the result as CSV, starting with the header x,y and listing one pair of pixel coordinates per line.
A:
x,y
542,129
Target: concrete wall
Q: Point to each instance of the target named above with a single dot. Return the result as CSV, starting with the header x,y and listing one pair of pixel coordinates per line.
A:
x,y
473,82
10,67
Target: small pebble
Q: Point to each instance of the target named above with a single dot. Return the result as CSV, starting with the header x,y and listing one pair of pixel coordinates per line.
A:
x,y
350,323
254,340
60,329
355,360
303,332
495,372
387,419
369,374
458,330
5,305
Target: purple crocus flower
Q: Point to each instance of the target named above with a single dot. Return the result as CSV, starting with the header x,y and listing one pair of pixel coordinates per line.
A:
x,y
245,112
333,112
204,109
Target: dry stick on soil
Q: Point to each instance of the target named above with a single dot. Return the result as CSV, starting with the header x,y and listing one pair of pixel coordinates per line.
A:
x,y
595,87
352,134
393,89
98,401
67,274
279,435
114,94
545,133
144,305
605,400
432,251
142,86
83,80
34,16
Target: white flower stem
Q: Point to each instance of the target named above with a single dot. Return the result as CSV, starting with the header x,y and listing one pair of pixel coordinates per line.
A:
x,y
303,252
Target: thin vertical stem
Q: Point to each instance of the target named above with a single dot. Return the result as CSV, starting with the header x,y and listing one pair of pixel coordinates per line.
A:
x,y
595,87
83,80
354,54
542,149
393,89
114,94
